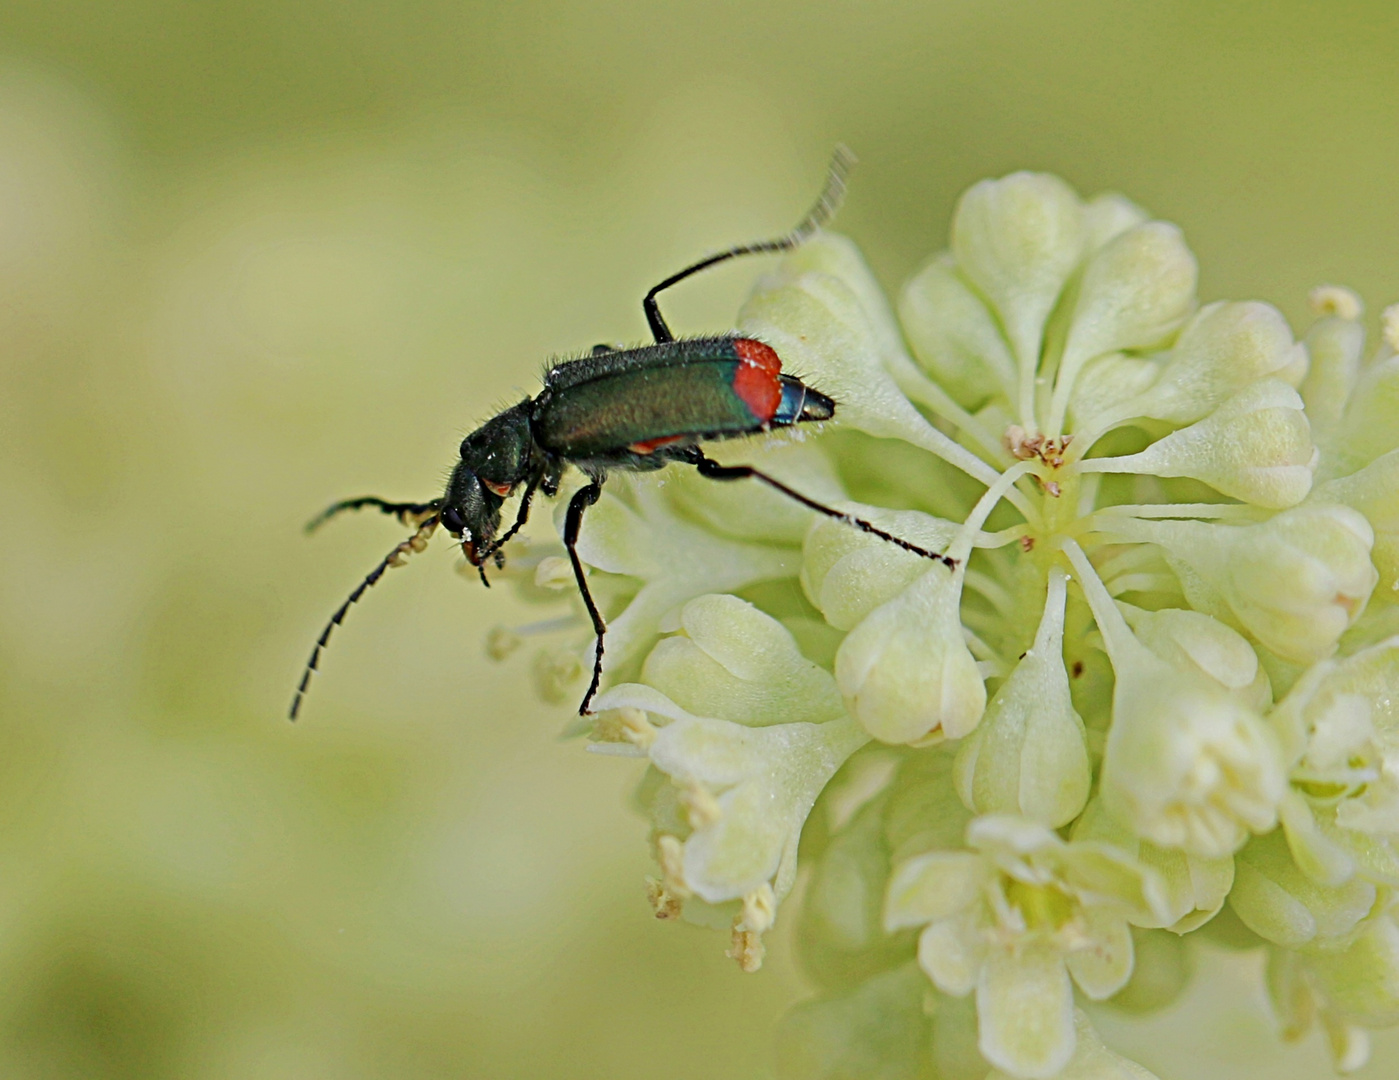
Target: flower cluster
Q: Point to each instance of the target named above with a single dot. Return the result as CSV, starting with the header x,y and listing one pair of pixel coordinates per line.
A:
x,y
1160,687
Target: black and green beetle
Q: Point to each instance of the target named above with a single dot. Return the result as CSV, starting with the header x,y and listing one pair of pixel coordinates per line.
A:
x,y
637,409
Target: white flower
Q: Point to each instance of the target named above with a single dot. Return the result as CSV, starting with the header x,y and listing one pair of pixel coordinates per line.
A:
x,y
906,671
1091,1059
740,790
1340,729
1014,919
1186,764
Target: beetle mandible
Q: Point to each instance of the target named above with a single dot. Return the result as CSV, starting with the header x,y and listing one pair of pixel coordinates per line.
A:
x,y
637,409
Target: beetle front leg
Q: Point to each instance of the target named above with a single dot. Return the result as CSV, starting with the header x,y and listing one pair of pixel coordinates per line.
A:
x,y
521,516
583,498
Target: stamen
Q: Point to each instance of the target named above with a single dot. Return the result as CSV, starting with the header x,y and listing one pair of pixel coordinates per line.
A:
x,y
1336,300
1389,325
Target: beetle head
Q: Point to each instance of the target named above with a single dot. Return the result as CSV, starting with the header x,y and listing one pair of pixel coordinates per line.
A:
x,y
494,458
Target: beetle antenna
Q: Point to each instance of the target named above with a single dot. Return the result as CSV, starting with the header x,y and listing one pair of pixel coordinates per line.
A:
x,y
817,217
409,513
396,557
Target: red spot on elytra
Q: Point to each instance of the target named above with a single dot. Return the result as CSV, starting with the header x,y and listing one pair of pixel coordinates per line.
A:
x,y
653,444
758,380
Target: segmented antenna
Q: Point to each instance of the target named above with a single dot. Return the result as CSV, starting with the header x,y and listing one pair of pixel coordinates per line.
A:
x,y
409,513
817,217
396,557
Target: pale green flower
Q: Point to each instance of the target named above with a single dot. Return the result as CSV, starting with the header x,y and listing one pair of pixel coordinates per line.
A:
x,y
1169,634
1014,919
1091,1059
1193,887
728,822
1186,764
1340,727
1233,572
671,559
1344,986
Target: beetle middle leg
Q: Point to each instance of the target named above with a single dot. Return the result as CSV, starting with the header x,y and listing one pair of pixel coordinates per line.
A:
x,y
714,471
583,498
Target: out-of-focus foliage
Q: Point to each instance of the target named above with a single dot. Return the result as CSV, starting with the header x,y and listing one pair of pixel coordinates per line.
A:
x,y
257,256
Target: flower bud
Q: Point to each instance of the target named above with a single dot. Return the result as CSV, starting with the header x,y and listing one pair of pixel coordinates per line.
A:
x,y
1028,755
734,662
1256,447
1374,491
1222,350
1017,240
1135,292
1187,766
1281,904
1335,345
1370,425
906,672
847,573
1103,387
1295,582
1191,639
1108,216
954,337
1298,581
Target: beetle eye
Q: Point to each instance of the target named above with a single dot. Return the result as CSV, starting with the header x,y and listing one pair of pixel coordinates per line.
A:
x,y
451,517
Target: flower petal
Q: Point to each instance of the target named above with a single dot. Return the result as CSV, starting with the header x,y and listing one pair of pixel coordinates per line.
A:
x,y
1024,1006
1104,965
933,887
951,952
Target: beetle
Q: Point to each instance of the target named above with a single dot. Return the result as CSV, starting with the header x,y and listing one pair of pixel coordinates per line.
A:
x,y
635,409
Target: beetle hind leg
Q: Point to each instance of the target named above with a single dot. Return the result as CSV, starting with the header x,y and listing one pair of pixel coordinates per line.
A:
x,y
714,471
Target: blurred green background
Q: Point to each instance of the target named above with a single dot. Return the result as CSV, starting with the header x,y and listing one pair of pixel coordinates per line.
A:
x,y
255,256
